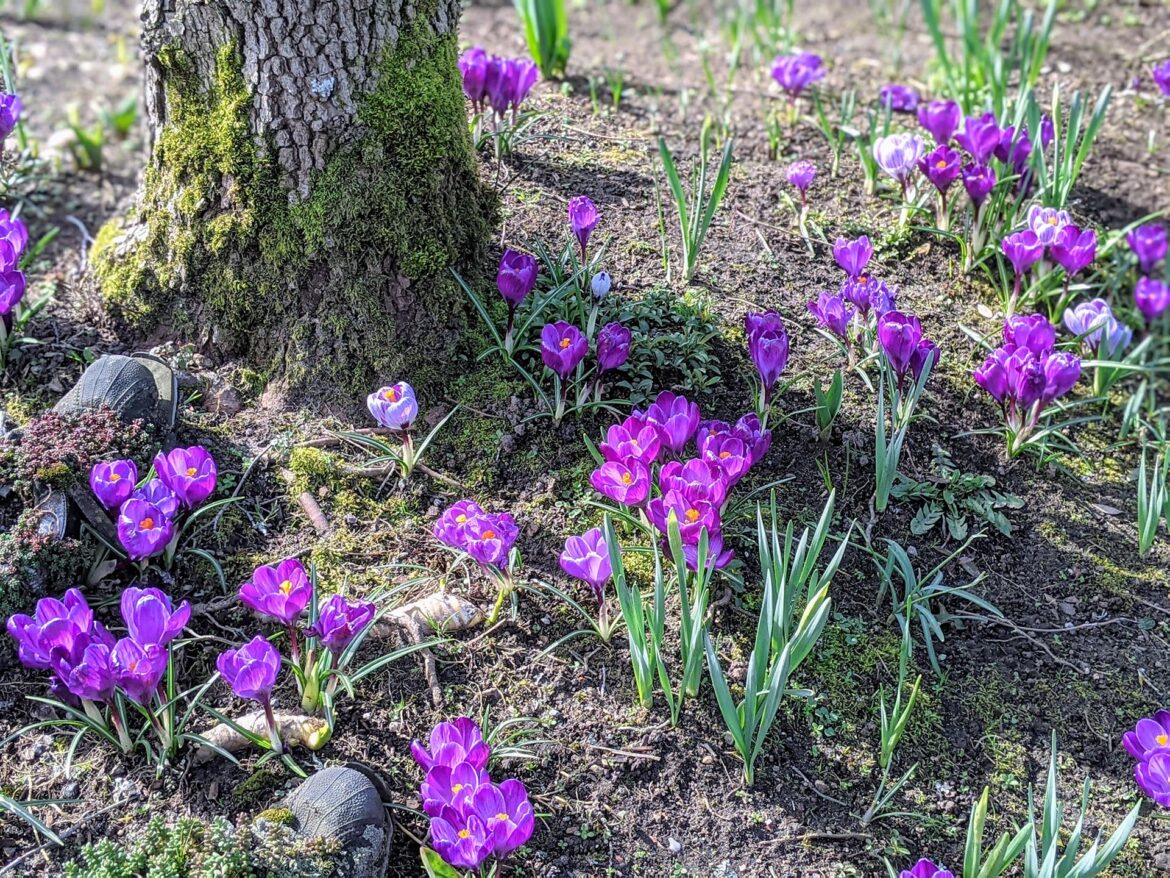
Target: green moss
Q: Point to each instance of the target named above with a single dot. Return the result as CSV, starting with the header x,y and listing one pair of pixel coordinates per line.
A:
x,y
313,469
218,242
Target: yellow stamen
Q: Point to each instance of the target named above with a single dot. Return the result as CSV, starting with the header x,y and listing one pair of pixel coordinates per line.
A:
x,y
723,455
286,586
502,816
461,518
456,787
565,343
626,478
147,524
1163,739
191,471
1052,221
114,477
390,394
941,163
489,535
692,515
463,833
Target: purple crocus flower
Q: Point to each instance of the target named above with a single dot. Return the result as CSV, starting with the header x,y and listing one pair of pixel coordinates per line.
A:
x,y
600,285
1150,735
1149,245
451,786
627,483
696,478
452,743
853,255
1014,148
12,287
251,670
451,527
801,174
691,508
138,670
516,277
898,155
992,376
189,472
1098,328
151,618
1152,298
92,676
924,868
498,83
717,556
1161,76
1047,222
1026,379
583,218
794,73
507,814
927,353
675,418
1031,331
462,840
112,481
522,76
14,231
940,118
157,494
394,407
978,180
473,66
942,167
1062,371
339,622
280,591
613,347
562,347
979,136
1074,250
767,347
54,627
1153,778
728,452
832,313
10,107
866,292
629,441
899,335
757,439
898,98
587,558
489,539
143,529
1023,250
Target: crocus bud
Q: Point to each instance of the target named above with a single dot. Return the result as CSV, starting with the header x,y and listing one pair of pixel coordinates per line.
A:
x,y
898,155
794,73
583,219
899,335
940,118
832,313
600,285
1152,298
801,174
10,107
979,137
1149,245
613,347
516,276
853,255
112,481
978,180
1023,250
898,98
1074,250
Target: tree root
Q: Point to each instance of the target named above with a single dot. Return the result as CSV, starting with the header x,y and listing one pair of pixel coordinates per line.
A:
x,y
296,730
439,612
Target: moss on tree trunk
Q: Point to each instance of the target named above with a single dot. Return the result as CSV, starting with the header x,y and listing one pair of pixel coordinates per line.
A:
x,y
311,179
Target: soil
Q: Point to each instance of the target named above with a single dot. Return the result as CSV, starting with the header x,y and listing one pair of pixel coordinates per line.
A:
x,y
1080,650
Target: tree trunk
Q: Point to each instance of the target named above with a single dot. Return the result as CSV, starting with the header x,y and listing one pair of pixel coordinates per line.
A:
x,y
310,180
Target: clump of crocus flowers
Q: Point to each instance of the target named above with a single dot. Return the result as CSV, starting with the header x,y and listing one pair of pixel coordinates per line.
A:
x,y
1048,238
1149,744
283,593
800,175
500,84
488,538
148,511
796,72
850,315
1151,294
649,447
1026,374
96,673
472,817
768,344
13,244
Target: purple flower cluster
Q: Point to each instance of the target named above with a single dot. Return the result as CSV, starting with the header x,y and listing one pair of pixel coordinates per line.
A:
x,y
472,818
10,107
13,242
1149,744
1049,232
862,298
1025,374
485,536
898,98
1100,331
88,663
146,513
1161,75
694,490
905,348
768,348
502,82
1151,294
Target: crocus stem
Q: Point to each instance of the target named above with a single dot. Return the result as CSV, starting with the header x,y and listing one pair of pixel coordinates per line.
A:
x,y
273,731
294,645
505,586
123,735
407,454
508,342
311,698
562,399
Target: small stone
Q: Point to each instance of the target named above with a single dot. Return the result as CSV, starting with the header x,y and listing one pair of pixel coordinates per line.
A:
x,y
675,846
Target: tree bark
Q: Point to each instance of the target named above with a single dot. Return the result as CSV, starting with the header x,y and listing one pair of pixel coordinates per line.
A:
x,y
310,181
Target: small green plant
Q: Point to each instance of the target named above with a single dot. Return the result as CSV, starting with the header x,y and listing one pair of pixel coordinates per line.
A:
x,y
120,120
695,209
917,595
546,30
893,727
1071,143
950,498
828,402
836,128
795,609
21,809
900,402
87,143
1153,498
